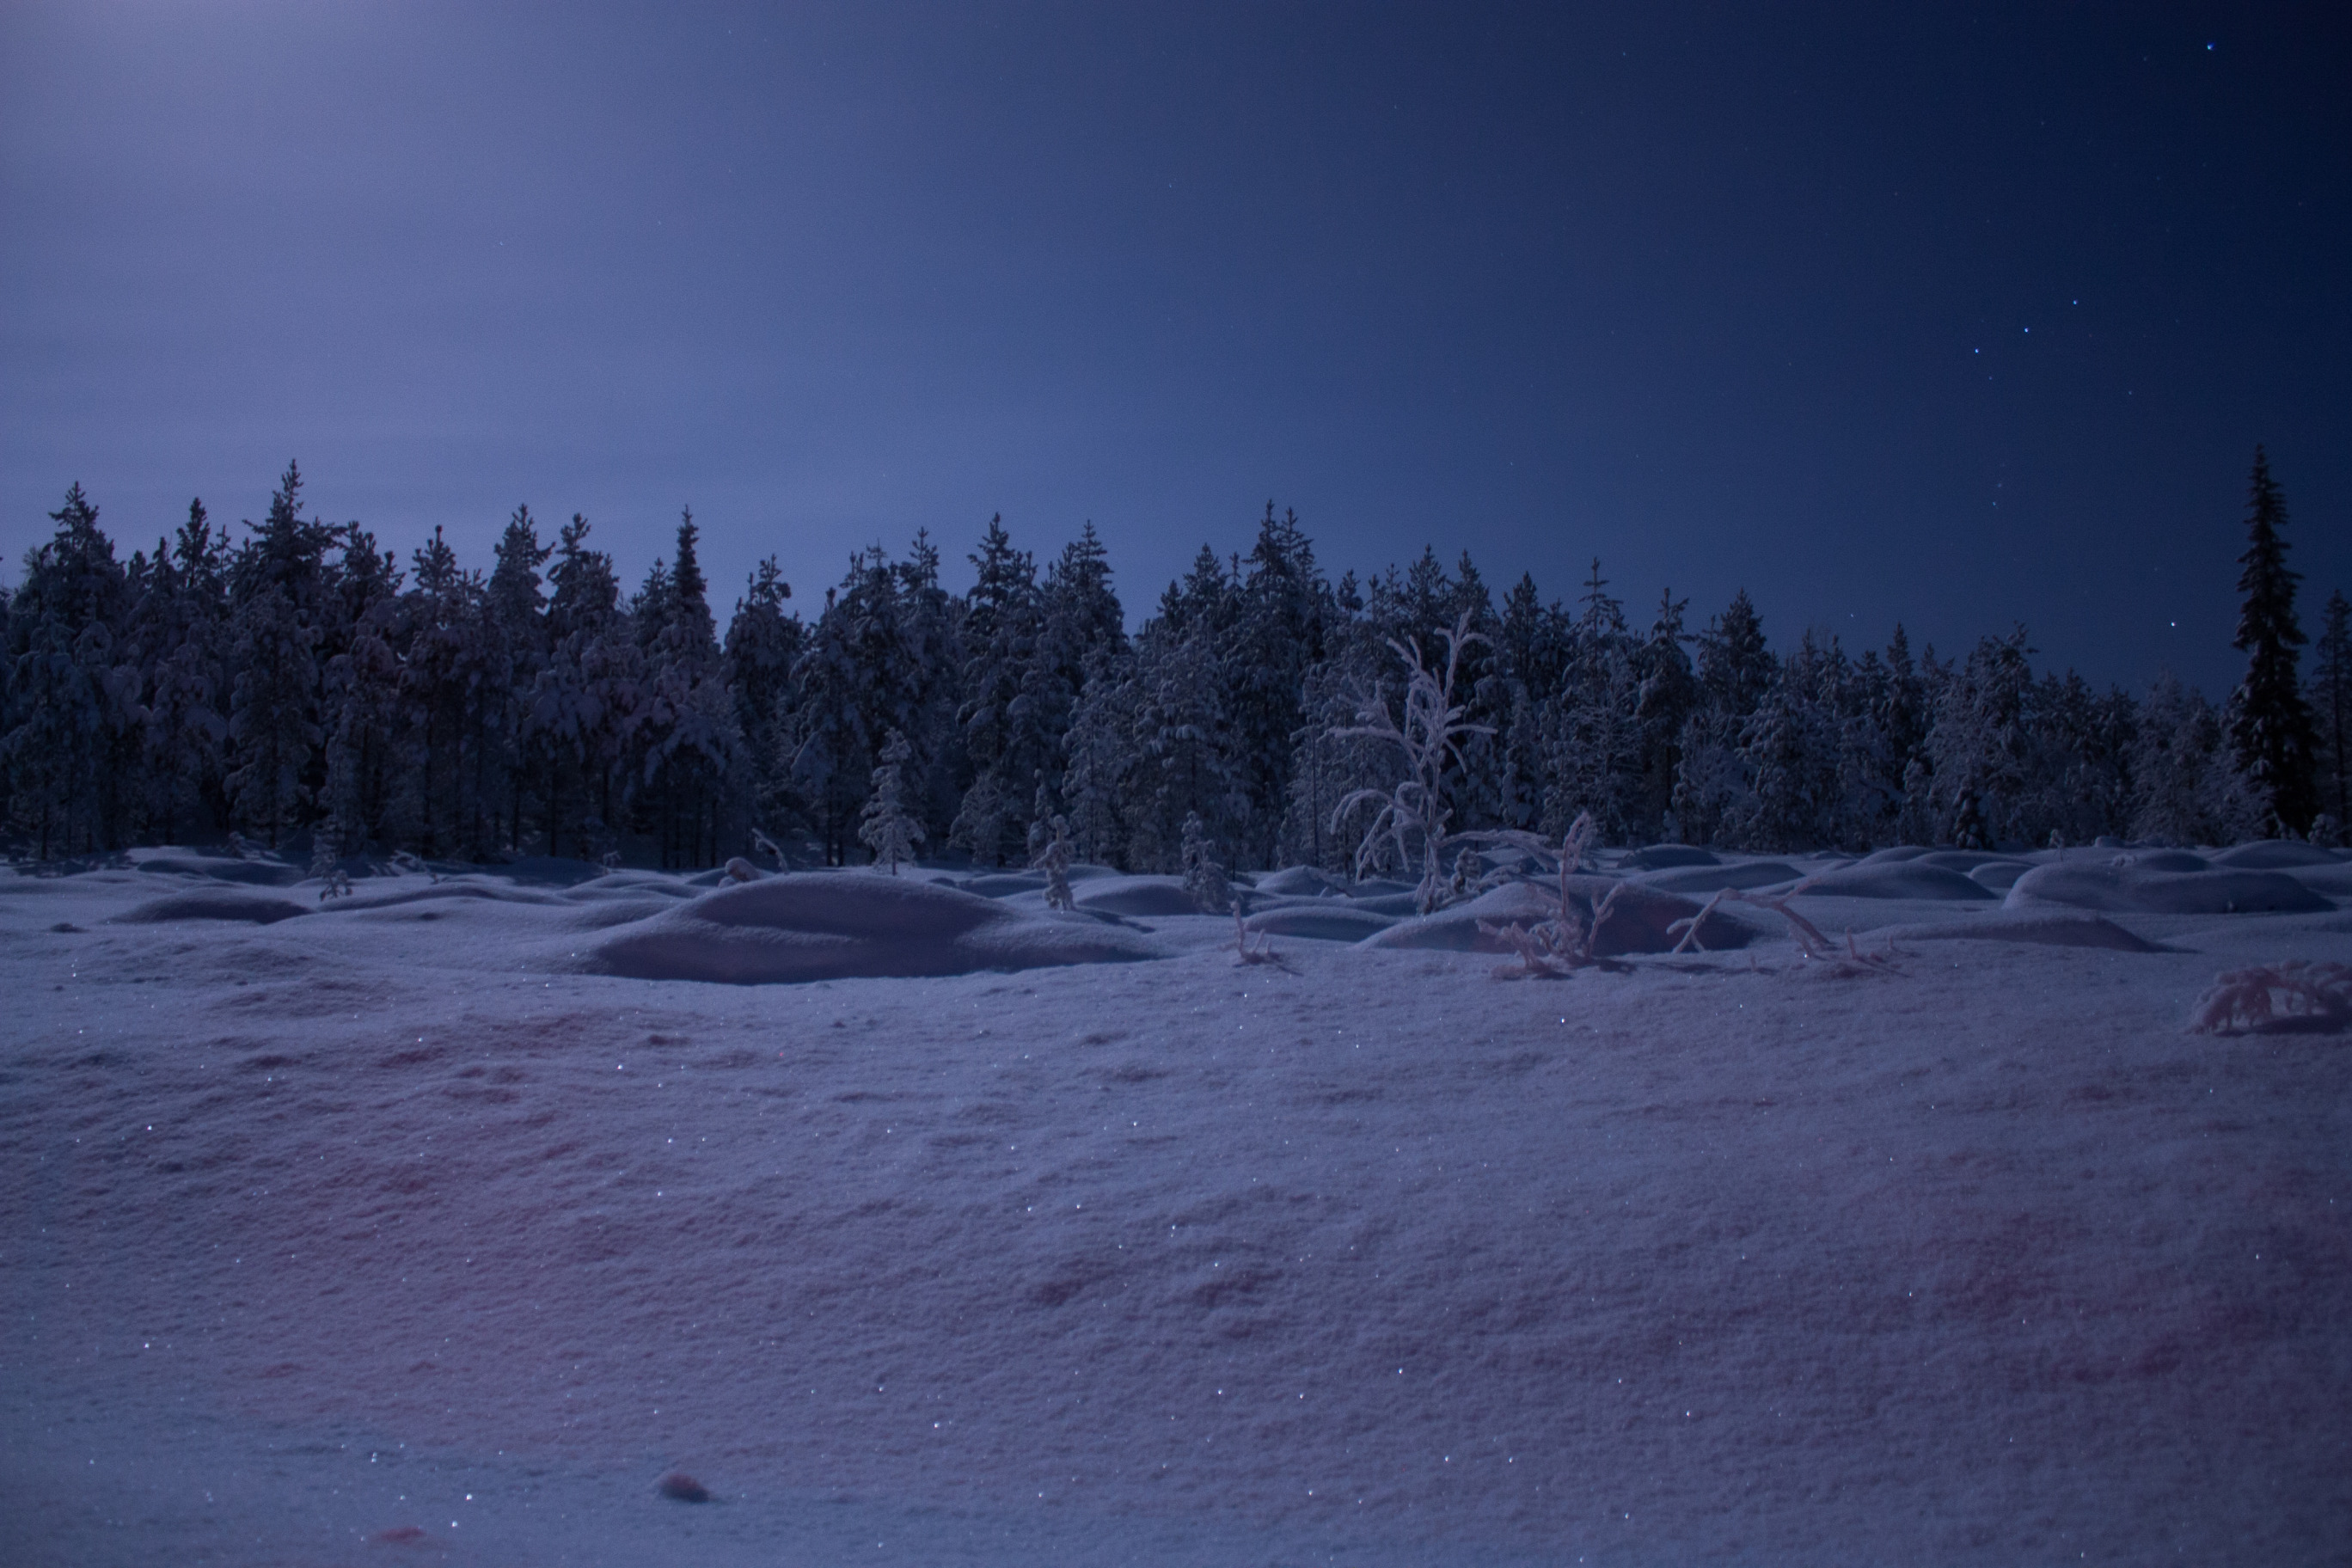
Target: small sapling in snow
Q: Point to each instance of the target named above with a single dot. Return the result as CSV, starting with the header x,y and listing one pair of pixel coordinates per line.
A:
x,y
1052,857
887,828
1204,877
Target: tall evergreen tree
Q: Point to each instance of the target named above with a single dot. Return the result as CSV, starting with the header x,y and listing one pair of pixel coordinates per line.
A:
x,y
1004,734
280,586
74,720
2269,722
584,705
763,638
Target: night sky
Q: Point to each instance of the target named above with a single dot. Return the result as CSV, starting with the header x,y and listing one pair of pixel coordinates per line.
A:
x,y
1960,320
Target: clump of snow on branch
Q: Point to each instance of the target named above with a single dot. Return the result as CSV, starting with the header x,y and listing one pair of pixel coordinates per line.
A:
x,y
2272,998
885,824
1410,818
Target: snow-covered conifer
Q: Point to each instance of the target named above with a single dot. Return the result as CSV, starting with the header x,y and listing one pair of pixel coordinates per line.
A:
x,y
1205,879
887,827
2269,721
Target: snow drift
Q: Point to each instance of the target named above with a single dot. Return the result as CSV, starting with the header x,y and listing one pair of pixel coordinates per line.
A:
x,y
2150,885
830,925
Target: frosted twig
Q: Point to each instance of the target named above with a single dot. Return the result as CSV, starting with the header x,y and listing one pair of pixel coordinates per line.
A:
x,y
768,846
1558,946
409,862
1690,925
1811,940
1261,952
2275,997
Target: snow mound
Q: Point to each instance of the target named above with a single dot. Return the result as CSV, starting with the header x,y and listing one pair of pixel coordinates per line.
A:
x,y
364,897
2047,929
2277,855
1899,879
208,904
1636,920
1300,882
1967,861
1322,920
1715,877
224,868
2334,880
2162,860
548,870
1004,884
1665,856
620,884
2128,884
831,925
1136,896
1999,876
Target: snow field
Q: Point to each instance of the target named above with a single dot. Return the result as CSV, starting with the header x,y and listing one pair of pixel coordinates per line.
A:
x,y
1374,1260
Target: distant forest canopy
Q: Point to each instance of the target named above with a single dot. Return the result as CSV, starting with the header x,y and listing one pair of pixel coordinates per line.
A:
x,y
300,687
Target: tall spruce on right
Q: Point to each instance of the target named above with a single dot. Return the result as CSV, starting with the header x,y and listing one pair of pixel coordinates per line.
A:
x,y
2270,722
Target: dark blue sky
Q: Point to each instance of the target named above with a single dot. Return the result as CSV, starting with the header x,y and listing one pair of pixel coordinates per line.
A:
x,y
1963,319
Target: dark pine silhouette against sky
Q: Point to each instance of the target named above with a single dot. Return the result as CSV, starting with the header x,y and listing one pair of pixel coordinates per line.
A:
x,y
1960,320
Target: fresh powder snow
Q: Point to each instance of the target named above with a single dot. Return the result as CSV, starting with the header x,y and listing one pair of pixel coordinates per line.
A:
x,y
532,1215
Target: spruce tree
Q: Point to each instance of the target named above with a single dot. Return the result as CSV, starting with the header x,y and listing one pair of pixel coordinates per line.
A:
x,y
279,584
2269,724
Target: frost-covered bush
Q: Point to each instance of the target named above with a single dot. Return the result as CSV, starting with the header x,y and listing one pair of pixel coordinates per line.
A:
x,y
1051,851
1410,820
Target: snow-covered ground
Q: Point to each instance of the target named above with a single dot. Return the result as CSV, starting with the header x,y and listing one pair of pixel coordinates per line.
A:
x,y
438,1224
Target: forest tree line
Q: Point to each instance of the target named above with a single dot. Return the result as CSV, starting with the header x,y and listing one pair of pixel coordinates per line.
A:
x,y
299,682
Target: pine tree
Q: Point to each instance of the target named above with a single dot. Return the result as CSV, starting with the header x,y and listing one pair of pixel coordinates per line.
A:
x,y
763,638
2269,722
587,698
1282,612
1592,737
1007,744
1982,747
685,744
1789,751
2185,789
1734,671
518,623
1667,691
74,719
281,589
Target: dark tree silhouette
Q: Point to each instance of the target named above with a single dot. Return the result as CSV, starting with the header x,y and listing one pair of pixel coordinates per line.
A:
x,y
2270,723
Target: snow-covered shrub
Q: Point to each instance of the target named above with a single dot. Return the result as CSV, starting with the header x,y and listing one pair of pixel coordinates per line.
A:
x,y
1412,819
1051,851
2273,997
